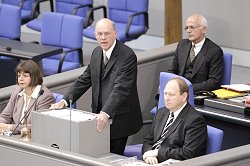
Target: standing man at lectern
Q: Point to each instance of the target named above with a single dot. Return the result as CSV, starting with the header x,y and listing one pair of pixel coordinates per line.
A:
x,y
112,73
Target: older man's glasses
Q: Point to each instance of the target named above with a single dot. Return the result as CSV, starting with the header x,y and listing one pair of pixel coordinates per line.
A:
x,y
191,28
105,34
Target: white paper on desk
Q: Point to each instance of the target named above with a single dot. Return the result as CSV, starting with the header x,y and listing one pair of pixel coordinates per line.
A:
x,y
237,87
76,116
169,162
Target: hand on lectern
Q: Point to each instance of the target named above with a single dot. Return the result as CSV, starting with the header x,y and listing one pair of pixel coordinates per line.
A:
x,y
102,120
58,105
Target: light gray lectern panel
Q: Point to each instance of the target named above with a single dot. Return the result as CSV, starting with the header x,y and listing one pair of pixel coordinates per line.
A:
x,y
74,131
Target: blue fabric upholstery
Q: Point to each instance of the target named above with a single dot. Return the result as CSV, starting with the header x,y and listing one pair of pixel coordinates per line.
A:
x,y
215,137
62,30
81,8
10,21
10,24
59,97
228,58
164,78
121,12
26,8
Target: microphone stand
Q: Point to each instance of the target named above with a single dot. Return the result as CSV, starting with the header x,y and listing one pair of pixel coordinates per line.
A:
x,y
25,131
70,109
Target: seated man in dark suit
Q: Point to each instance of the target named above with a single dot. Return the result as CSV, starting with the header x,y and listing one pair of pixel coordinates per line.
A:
x,y
198,58
178,131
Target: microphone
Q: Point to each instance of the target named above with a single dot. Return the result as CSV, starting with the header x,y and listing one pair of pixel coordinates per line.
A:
x,y
70,100
26,114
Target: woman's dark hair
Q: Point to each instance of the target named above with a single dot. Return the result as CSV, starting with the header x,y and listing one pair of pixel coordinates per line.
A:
x,y
33,69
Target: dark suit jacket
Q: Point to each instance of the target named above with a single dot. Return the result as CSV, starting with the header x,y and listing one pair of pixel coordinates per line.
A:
x,y
13,111
119,89
208,68
186,137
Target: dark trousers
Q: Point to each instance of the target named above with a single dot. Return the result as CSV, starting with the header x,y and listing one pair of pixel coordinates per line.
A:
x,y
117,146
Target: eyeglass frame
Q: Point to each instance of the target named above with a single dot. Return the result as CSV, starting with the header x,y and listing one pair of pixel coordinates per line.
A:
x,y
192,27
105,34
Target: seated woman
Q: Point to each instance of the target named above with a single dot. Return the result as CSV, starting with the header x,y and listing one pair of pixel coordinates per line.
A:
x,y
29,95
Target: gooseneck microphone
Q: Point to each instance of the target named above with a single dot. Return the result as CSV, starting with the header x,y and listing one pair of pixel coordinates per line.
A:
x,y
26,114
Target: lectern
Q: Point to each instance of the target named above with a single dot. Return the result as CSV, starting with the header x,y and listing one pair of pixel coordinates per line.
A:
x,y
70,129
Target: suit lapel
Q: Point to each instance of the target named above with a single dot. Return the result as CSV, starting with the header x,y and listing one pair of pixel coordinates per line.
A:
x,y
19,108
161,126
186,50
113,59
99,63
200,58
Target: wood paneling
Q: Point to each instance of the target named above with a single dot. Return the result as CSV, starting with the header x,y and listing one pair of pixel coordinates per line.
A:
x,y
173,21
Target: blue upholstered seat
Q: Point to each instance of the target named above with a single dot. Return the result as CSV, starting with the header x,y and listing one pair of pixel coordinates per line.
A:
x,y
130,17
62,30
74,7
10,21
10,24
228,58
26,8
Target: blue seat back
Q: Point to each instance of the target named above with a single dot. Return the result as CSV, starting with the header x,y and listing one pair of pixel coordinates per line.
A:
x,y
26,8
120,11
67,6
10,21
228,58
58,97
130,18
215,137
62,30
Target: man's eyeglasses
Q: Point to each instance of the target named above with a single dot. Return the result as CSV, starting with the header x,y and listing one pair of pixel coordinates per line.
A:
x,y
105,34
191,28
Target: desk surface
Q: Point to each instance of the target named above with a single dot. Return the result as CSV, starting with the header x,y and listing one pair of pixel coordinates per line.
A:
x,y
23,50
224,115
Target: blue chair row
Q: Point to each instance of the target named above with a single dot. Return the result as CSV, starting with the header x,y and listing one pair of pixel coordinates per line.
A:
x,y
55,32
130,17
25,7
76,7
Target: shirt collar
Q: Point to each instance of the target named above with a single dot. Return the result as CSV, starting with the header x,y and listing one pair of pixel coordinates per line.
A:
x,y
109,52
34,94
200,44
176,113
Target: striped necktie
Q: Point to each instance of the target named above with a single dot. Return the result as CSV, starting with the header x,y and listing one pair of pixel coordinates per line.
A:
x,y
157,145
192,53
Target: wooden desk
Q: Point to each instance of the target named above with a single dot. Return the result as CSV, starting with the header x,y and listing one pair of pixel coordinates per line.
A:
x,y
22,51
